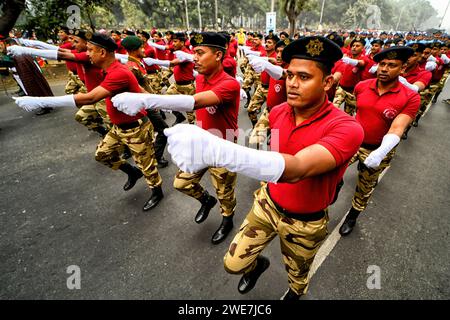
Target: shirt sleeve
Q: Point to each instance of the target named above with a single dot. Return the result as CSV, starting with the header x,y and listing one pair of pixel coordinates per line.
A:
x,y
227,91
412,106
115,82
343,139
81,57
425,78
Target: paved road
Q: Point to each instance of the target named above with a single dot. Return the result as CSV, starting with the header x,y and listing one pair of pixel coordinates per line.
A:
x,y
59,207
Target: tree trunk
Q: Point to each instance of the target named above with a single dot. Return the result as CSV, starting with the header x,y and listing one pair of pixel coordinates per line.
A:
x,y
11,11
291,26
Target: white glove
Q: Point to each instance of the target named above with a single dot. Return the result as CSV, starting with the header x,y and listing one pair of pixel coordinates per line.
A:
x,y
260,65
33,103
374,68
132,103
445,58
352,62
183,56
252,53
151,62
407,84
243,94
430,66
194,73
374,159
157,46
123,58
38,44
20,51
193,149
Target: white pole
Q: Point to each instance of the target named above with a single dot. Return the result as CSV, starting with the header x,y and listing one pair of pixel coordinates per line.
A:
x,y
321,12
448,3
199,15
272,6
187,14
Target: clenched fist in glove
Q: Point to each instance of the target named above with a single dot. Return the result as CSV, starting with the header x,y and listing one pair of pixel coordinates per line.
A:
x,y
374,159
193,149
131,103
260,65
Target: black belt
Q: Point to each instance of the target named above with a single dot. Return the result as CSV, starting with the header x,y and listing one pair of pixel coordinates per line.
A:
x,y
184,83
313,216
131,125
152,71
265,86
370,147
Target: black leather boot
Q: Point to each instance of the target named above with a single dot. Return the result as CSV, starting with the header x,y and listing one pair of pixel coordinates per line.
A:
x,y
134,174
155,198
290,295
126,152
179,117
224,229
349,222
208,202
102,131
162,163
249,279
248,99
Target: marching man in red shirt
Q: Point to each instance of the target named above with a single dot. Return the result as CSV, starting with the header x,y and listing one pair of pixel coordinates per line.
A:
x,y
316,142
216,103
136,131
385,108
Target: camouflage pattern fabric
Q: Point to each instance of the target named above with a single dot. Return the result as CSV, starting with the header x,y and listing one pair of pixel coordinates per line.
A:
x,y
342,96
93,116
140,141
258,99
299,241
250,78
74,85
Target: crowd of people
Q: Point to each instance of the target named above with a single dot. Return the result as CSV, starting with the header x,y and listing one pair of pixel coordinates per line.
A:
x,y
317,102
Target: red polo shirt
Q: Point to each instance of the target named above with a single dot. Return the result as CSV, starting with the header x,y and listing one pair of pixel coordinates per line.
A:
x,y
277,93
229,65
225,115
232,48
351,75
119,79
71,66
93,75
329,127
439,71
418,74
365,74
375,113
185,70
161,54
150,52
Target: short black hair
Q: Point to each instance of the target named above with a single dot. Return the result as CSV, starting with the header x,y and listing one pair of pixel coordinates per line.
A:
x,y
325,68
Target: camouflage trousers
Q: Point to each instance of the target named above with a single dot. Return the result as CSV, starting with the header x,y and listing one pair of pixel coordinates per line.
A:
x,y
188,89
367,177
299,241
93,116
153,83
426,96
261,131
250,78
224,183
165,76
243,62
140,141
258,99
74,85
347,97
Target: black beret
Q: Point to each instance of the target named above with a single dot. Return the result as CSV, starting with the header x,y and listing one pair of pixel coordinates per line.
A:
x,y
80,33
284,33
116,32
131,43
258,35
209,39
226,35
394,53
180,36
417,47
283,43
377,41
273,37
102,40
436,45
129,32
63,28
336,39
358,39
315,48
145,34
